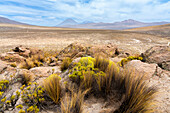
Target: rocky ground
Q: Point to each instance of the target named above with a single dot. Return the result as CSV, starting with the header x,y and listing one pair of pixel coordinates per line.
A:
x,y
22,61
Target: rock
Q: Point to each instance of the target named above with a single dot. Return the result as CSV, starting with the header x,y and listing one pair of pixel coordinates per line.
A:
x,y
75,50
26,53
149,70
45,71
2,66
122,56
19,49
12,57
116,59
159,55
9,73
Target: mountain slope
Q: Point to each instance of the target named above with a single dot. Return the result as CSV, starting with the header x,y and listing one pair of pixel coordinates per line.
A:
x,y
160,30
8,21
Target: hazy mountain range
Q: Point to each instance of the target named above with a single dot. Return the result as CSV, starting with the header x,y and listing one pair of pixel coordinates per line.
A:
x,y
70,23
8,21
126,24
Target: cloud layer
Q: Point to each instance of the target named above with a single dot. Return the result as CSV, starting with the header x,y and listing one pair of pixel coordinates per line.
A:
x,y
52,12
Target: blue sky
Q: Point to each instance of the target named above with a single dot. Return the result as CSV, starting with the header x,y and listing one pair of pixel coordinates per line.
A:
x,y
52,12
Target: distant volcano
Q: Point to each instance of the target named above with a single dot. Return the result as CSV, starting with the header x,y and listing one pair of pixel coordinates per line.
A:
x,y
68,22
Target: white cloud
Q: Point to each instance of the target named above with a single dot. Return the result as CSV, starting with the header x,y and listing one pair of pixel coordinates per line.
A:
x,y
97,10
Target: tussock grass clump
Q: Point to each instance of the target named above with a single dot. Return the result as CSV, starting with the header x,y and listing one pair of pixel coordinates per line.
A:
x,y
27,64
65,64
73,102
139,97
52,87
25,78
101,63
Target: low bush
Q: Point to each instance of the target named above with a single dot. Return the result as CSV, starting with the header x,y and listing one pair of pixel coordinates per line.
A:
x,y
87,76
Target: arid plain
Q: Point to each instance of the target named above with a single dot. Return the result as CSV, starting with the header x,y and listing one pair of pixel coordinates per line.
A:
x,y
53,38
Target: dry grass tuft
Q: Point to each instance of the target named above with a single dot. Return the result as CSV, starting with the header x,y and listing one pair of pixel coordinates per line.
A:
x,y
65,64
73,103
14,64
101,64
27,64
26,78
52,87
139,97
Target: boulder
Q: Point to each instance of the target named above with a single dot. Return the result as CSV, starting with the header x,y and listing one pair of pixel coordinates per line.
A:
x,y
141,68
45,71
159,55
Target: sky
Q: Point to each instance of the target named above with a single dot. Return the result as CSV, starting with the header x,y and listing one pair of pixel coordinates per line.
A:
x,y
52,12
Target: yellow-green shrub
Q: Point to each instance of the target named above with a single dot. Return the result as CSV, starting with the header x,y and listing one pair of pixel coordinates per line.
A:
x,y
86,76
52,87
32,95
4,84
125,60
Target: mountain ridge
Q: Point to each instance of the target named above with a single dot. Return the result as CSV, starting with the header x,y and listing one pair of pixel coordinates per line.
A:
x,y
9,21
126,24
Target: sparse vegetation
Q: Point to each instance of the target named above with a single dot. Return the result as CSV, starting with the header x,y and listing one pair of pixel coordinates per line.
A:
x,y
111,80
92,77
